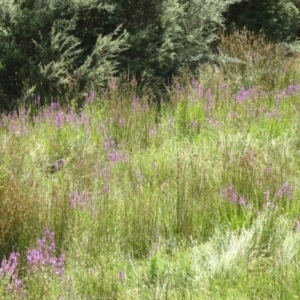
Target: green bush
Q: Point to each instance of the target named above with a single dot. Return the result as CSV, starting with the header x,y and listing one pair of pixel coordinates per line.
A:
x,y
61,49
280,19
179,34
53,49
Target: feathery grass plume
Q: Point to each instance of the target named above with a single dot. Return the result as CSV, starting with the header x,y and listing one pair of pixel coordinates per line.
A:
x,y
254,53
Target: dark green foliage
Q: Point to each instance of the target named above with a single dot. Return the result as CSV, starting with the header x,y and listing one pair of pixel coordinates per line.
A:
x,y
60,49
57,49
280,19
168,35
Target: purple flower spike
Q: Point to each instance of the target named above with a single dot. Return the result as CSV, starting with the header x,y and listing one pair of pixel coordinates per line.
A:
x,y
121,276
9,269
266,195
242,201
231,195
43,256
285,190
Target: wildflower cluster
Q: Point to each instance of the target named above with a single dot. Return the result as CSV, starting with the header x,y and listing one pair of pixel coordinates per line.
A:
x,y
244,95
285,190
82,200
53,114
9,273
43,257
231,195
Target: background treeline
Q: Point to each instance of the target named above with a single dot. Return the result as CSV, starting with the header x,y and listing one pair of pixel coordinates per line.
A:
x,y
60,49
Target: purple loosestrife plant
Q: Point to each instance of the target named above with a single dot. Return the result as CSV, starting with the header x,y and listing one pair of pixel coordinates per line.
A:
x,y
244,95
82,200
117,156
84,120
4,120
266,195
59,119
37,100
134,104
15,123
59,164
121,276
210,101
230,194
285,190
72,118
9,273
108,143
112,84
43,257
197,88
106,174
9,266
90,97
293,89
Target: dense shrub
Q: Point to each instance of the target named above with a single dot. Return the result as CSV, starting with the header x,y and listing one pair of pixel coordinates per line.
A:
x,y
278,18
62,48
54,49
167,36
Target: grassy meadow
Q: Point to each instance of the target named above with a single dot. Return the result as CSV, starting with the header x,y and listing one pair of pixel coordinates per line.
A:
x,y
199,200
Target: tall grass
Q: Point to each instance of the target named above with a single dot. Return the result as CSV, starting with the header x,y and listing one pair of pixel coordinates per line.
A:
x,y
200,201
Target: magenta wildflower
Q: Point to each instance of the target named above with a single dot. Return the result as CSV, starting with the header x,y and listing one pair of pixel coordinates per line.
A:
x,y
116,156
266,195
113,86
134,103
9,270
8,267
59,164
4,120
243,95
84,120
37,100
285,190
268,169
54,106
121,276
242,201
43,257
59,119
82,200
231,195
90,97
292,89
